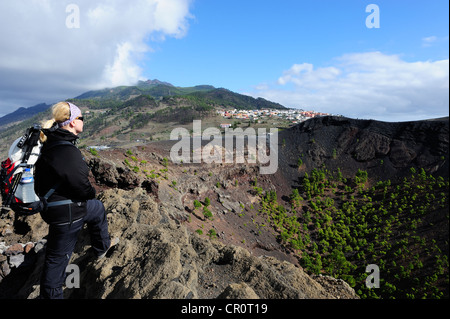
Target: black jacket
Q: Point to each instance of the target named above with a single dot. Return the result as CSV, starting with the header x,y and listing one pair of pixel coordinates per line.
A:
x,y
64,164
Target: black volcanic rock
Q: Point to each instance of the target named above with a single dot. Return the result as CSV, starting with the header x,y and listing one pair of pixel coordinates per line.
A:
x,y
386,150
110,174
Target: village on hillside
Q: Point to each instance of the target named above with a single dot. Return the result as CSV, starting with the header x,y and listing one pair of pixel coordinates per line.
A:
x,y
292,115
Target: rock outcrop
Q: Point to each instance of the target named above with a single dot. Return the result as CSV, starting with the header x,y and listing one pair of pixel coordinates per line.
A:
x,y
158,257
385,150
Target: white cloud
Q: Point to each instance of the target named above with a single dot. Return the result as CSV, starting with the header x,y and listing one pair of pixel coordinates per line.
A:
x,y
433,40
42,60
427,42
304,75
366,85
123,70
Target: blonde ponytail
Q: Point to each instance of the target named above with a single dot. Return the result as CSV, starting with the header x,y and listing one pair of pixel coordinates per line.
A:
x,y
60,113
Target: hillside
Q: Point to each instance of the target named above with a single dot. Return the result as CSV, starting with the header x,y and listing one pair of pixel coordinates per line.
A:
x,y
143,118
132,115
154,88
347,194
372,192
22,114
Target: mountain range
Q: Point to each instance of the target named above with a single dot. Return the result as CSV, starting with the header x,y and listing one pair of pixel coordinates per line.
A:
x,y
22,114
124,114
155,89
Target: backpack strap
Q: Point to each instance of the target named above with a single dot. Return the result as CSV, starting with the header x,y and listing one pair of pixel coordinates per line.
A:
x,y
52,190
50,145
58,203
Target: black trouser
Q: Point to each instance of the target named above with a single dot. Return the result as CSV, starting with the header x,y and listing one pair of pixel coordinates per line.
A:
x,y
61,243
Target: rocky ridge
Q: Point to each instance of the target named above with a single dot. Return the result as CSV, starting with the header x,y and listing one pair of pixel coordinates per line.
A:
x,y
385,150
158,257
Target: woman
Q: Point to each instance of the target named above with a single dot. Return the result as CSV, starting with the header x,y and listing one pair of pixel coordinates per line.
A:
x,y
61,167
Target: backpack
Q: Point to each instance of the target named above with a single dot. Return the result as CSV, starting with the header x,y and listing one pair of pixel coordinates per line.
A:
x,y
22,157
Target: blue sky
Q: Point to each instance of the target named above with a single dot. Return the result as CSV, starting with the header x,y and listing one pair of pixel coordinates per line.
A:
x,y
315,55
238,44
